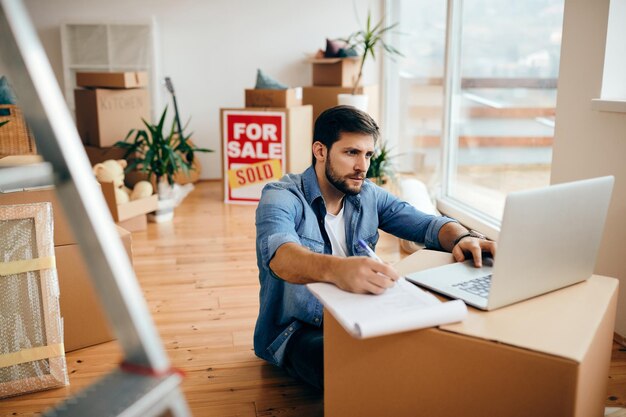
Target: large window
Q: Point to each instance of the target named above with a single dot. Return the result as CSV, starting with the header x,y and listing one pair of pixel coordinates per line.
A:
x,y
490,131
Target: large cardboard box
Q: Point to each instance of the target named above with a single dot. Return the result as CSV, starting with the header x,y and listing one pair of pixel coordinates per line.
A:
x,y
260,145
336,72
84,321
63,234
322,98
105,116
121,212
129,79
548,356
134,224
274,98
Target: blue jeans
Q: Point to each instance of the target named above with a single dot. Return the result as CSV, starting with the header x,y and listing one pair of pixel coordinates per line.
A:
x,y
304,356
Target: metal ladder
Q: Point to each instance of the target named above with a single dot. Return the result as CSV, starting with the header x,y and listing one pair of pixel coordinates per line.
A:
x,y
121,393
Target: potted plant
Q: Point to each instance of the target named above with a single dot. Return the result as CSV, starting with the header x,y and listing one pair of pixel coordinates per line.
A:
x,y
365,42
160,154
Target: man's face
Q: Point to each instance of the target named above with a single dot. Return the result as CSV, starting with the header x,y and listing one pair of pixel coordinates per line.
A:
x,y
348,160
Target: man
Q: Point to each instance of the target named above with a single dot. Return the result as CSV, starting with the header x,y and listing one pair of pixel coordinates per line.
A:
x,y
308,228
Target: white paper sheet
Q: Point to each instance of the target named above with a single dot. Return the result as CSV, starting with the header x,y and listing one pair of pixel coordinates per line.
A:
x,y
401,308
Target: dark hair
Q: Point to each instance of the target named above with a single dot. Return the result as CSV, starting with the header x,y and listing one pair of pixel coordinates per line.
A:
x,y
332,122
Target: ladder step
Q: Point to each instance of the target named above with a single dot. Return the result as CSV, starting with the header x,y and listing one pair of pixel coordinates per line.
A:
x,y
26,176
121,394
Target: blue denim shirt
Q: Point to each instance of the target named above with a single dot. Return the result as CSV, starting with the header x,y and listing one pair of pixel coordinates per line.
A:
x,y
293,210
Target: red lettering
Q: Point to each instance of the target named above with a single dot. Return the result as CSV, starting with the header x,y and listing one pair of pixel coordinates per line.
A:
x,y
240,178
250,174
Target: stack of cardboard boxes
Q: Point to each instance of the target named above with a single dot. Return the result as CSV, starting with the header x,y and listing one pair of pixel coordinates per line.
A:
x,y
107,107
334,76
84,322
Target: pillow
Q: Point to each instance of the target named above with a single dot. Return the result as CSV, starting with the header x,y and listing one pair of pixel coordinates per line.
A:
x,y
264,81
347,52
333,47
6,93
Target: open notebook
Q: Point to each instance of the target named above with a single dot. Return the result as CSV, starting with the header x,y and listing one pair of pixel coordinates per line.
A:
x,y
401,308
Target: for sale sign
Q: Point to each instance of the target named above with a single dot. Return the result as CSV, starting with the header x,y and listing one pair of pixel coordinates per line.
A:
x,y
254,152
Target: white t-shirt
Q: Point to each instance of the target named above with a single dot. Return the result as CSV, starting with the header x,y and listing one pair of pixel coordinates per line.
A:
x,y
336,230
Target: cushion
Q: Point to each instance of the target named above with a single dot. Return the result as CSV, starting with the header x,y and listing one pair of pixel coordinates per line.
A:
x,y
6,93
337,48
265,82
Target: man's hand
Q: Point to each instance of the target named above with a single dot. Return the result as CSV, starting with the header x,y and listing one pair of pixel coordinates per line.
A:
x,y
475,247
362,275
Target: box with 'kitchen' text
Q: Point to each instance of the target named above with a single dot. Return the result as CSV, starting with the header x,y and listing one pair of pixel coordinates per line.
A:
x,y
105,116
260,146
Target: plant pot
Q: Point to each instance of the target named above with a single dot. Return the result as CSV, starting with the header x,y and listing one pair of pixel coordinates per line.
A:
x,y
360,101
165,205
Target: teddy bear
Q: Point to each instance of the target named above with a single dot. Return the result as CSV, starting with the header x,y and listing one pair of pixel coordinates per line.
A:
x,y
113,171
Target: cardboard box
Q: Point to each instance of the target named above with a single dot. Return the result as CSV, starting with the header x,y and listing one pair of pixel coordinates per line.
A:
x,y
295,143
63,234
322,98
84,320
274,98
130,79
127,241
135,224
547,356
335,72
121,212
18,160
105,116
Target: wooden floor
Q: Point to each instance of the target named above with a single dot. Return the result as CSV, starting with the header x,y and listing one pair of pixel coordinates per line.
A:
x,y
199,277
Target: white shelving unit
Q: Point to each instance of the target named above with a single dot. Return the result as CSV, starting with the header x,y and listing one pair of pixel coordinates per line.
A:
x,y
106,47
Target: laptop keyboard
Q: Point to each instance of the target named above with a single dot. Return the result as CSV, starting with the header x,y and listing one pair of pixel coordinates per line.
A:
x,y
477,286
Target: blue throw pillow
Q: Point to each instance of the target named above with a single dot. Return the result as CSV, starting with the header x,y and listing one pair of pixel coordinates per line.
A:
x,y
6,93
265,82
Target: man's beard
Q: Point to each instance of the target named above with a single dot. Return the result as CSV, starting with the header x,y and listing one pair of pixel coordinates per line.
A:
x,y
338,182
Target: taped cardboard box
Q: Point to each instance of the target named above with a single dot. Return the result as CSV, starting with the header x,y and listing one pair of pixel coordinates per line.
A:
x,y
322,98
84,321
105,116
274,98
128,79
63,234
336,72
547,356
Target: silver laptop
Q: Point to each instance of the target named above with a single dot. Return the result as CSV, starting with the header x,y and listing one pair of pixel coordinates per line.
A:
x,y
549,239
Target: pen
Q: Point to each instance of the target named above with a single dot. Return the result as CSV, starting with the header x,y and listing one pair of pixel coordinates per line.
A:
x,y
369,251
371,254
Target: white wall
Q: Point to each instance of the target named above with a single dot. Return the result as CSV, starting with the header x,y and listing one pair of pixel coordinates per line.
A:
x,y
590,143
212,49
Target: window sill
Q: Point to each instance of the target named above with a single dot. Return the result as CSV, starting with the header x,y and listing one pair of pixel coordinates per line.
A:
x,y
469,218
615,106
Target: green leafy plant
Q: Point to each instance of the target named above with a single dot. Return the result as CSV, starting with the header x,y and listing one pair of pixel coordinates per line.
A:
x,y
381,169
158,153
3,123
365,42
